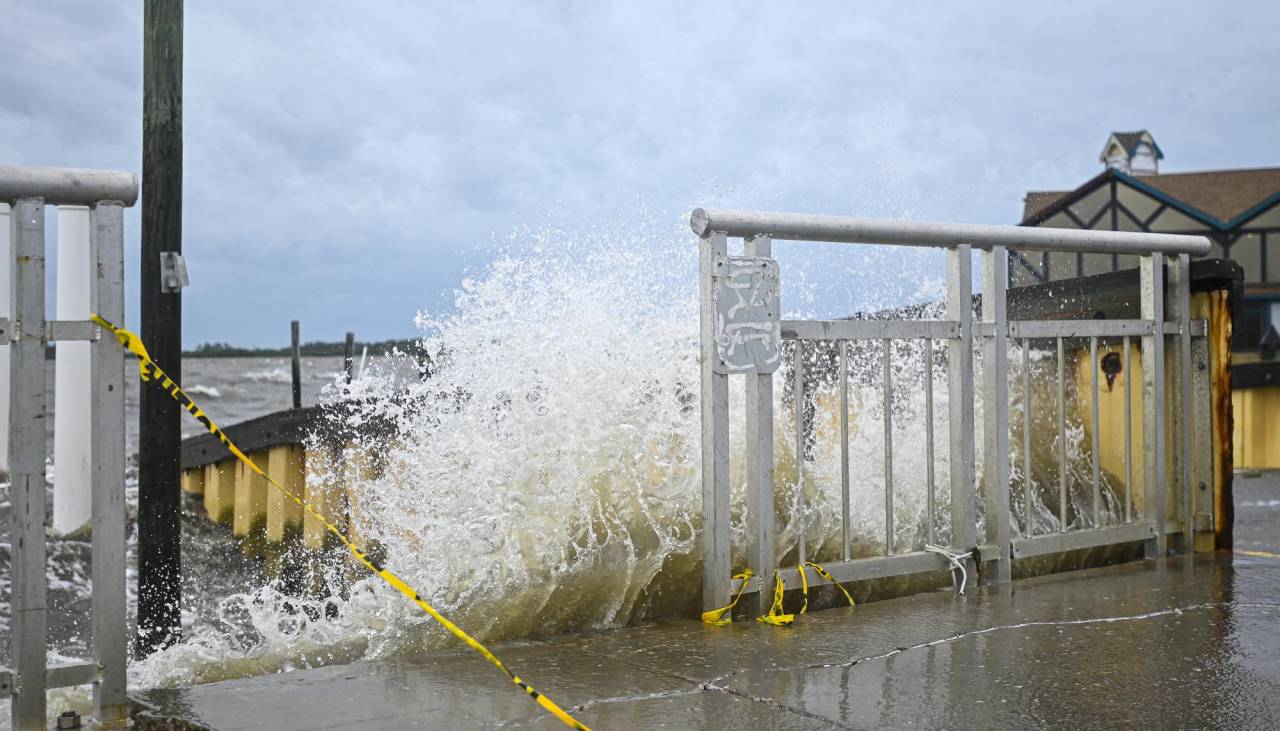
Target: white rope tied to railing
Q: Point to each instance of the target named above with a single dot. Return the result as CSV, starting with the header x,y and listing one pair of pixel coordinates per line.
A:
x,y
957,563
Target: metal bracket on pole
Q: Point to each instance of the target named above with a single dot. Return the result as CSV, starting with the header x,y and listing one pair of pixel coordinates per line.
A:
x,y
173,272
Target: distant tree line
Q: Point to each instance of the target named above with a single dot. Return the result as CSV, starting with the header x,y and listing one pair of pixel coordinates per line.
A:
x,y
313,348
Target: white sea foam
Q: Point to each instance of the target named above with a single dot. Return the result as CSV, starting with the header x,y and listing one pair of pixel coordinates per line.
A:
x,y
274,375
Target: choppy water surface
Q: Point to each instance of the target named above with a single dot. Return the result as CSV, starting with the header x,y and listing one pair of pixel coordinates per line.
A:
x,y
544,478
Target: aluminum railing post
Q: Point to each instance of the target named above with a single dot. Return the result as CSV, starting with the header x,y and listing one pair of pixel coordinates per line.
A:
x,y
29,619
107,454
995,410
1151,274
716,567
960,399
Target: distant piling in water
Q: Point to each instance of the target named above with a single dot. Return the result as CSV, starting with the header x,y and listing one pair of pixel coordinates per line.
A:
x,y
348,355
295,353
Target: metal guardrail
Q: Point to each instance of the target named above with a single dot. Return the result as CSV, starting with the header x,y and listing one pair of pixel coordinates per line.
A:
x,y
27,190
742,334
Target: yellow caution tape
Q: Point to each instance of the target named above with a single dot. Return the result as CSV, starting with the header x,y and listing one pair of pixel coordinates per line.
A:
x,y
804,589
716,617
824,574
148,371
775,615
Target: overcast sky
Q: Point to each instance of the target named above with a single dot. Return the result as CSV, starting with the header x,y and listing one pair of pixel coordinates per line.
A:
x,y
346,163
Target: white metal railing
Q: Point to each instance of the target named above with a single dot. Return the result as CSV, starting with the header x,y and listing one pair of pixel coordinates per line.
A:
x,y
27,191
742,333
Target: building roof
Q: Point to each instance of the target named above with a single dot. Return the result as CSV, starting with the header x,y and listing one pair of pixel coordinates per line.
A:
x,y
1222,195
1038,200
1129,142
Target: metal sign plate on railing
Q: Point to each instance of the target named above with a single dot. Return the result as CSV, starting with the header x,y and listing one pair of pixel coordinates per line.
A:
x,y
748,327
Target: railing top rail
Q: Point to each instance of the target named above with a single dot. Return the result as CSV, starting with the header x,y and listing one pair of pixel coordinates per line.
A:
x,y
67,186
841,229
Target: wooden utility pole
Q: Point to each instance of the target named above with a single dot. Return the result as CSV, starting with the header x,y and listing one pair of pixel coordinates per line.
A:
x,y
159,428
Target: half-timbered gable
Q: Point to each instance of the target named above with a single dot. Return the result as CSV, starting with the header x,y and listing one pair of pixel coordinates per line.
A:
x,y
1239,210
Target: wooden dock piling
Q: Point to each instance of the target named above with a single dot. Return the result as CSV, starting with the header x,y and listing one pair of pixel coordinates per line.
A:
x,y
348,354
295,351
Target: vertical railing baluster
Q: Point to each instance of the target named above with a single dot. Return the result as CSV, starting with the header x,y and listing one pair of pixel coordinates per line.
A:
x,y
928,441
1151,277
846,536
801,504
1181,296
1062,437
995,404
1202,393
1026,438
760,462
1128,433
29,621
888,447
1096,440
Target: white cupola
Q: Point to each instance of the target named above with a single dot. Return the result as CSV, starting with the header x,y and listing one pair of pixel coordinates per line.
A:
x,y
1134,153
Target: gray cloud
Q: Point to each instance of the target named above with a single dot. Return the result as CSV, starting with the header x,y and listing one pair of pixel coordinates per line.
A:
x,y
345,163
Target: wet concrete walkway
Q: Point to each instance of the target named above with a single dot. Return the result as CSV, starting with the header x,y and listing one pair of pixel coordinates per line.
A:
x,y
1190,643
1185,643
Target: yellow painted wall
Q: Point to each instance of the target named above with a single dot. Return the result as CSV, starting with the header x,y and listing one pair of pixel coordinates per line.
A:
x,y
220,490
1211,306
1111,417
285,465
1256,438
